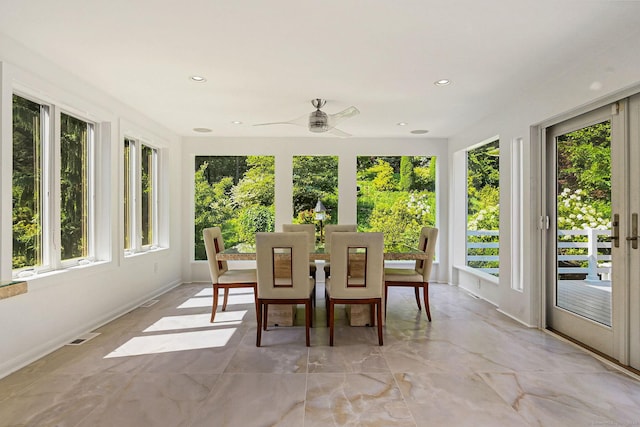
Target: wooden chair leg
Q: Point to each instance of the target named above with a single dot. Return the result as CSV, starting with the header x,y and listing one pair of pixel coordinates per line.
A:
x,y
259,328
379,311
386,298
307,312
425,286
255,298
326,306
372,315
331,322
415,288
266,316
226,297
214,307
311,314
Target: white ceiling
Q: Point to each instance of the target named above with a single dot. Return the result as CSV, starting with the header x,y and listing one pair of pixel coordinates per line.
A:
x,y
265,60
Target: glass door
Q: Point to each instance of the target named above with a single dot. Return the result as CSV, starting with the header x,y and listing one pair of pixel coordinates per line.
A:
x,y
585,198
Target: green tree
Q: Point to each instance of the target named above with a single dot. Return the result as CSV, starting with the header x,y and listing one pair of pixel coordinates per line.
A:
x,y
315,178
584,161
26,184
384,178
257,185
406,174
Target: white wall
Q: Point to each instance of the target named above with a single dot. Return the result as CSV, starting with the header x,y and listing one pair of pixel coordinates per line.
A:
x,y
60,306
285,148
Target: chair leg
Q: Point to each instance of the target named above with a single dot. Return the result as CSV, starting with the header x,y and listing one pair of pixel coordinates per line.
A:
x,y
255,298
326,306
307,323
214,307
415,288
379,311
226,297
313,295
372,315
386,298
425,286
312,313
259,328
266,316
331,322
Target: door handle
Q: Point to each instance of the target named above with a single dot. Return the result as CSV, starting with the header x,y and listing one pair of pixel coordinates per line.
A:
x,y
634,231
615,234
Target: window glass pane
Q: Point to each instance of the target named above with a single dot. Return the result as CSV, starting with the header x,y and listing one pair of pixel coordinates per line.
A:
x,y
396,196
148,163
235,193
74,187
26,183
315,178
483,207
128,146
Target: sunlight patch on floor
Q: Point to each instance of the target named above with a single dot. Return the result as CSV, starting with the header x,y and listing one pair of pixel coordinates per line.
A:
x,y
172,323
166,343
206,302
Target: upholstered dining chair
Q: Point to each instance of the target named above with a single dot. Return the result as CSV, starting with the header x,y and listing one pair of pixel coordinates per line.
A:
x,y
282,260
221,276
329,229
418,277
310,229
357,274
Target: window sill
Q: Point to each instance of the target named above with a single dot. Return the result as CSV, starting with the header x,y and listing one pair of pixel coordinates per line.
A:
x,y
144,252
480,274
12,288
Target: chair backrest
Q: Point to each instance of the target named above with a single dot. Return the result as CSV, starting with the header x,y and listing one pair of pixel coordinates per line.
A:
x,y
427,243
282,260
310,229
329,229
214,244
357,265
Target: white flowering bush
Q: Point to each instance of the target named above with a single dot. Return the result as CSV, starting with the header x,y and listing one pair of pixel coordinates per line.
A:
x,y
574,213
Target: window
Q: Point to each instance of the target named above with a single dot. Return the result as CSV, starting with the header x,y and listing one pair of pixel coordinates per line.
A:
x,y
76,138
29,122
483,207
235,193
140,196
315,178
53,213
396,196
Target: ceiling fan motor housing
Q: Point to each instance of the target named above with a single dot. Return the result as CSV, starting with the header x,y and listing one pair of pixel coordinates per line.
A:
x,y
318,121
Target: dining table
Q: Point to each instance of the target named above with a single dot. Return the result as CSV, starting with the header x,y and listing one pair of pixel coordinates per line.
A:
x,y
232,254
358,315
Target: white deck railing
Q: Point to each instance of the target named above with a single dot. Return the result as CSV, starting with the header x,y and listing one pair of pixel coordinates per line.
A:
x,y
598,262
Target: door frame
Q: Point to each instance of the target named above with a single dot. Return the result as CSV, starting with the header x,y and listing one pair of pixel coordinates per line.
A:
x,y
618,349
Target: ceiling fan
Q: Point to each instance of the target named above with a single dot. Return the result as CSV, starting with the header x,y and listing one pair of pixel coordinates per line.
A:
x,y
318,121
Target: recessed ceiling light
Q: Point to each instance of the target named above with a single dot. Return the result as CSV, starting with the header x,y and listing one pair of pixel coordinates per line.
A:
x,y
236,122
402,123
419,131
442,82
198,79
202,130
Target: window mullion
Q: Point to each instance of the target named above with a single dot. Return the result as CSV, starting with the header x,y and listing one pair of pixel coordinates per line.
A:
x,y
137,196
53,205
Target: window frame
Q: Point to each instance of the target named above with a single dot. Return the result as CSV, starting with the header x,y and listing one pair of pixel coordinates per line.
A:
x,y
135,192
495,139
50,188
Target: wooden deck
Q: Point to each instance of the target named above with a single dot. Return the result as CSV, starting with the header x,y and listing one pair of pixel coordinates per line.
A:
x,y
588,299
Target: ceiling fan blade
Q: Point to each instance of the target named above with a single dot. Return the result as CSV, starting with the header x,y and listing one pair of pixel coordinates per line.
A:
x,y
338,132
344,114
300,121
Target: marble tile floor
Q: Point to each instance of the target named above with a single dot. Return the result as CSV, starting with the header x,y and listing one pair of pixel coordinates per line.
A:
x,y
166,365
